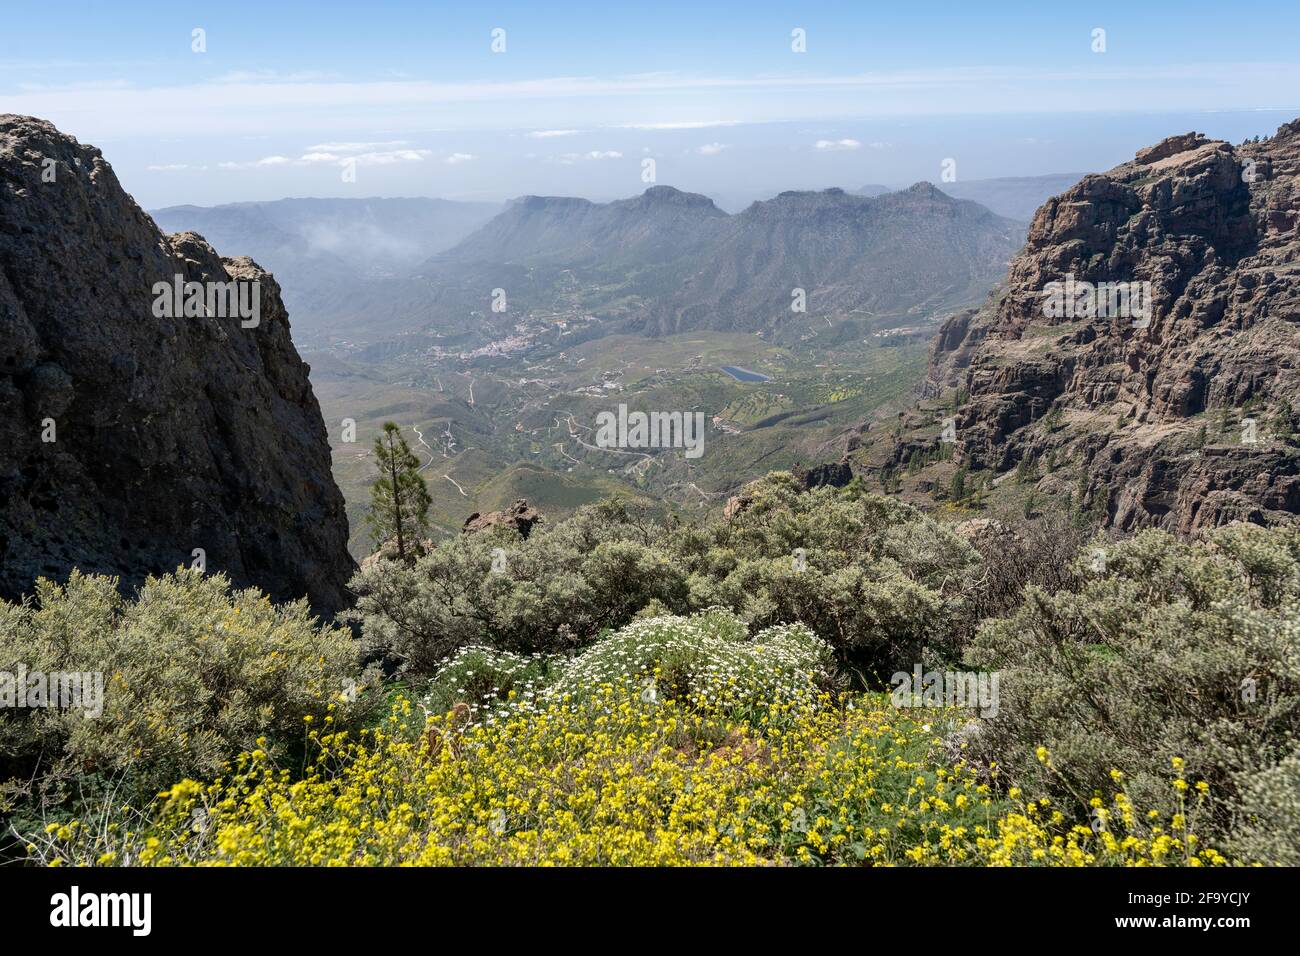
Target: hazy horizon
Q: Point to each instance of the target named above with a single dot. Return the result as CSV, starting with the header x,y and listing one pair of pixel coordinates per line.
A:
x,y
735,101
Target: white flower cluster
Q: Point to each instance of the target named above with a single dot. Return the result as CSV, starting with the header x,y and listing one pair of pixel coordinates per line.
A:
x,y
705,659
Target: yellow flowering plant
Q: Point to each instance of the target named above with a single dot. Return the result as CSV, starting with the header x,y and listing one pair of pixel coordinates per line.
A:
x,y
610,778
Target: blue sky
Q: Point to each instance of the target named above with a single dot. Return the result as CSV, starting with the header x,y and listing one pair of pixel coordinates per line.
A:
x,y
413,99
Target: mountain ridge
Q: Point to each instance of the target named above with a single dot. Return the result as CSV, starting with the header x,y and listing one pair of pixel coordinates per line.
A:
x,y
693,265
1015,197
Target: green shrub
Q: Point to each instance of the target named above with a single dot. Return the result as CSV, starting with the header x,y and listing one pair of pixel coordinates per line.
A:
x,y
1268,822
874,577
193,673
1172,651
554,591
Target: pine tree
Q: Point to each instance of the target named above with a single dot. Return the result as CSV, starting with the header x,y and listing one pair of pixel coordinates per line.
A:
x,y
959,484
1026,470
399,498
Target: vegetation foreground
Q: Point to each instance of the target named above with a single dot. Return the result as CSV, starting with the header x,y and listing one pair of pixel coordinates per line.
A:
x,y
617,779
619,690
674,741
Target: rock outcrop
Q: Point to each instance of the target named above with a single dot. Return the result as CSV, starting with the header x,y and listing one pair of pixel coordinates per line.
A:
x,y
132,443
388,552
982,529
1176,412
518,518
835,474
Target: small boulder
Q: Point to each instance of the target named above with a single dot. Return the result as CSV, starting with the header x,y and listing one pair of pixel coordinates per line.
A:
x,y
518,517
982,529
735,505
388,552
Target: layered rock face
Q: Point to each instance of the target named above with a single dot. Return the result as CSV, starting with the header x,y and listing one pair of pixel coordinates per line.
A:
x,y
1177,411
129,440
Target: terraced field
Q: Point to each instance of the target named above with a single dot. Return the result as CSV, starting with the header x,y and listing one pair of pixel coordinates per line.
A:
x,y
497,428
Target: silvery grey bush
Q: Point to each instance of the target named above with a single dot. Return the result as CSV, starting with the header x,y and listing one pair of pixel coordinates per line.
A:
x,y
194,673
1145,663
879,580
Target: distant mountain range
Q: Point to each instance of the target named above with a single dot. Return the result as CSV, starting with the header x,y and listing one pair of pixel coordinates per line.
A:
x,y
662,223
913,252
370,269
1016,197
673,261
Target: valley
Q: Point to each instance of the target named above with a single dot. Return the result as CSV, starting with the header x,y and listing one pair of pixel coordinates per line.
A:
x,y
519,424
790,326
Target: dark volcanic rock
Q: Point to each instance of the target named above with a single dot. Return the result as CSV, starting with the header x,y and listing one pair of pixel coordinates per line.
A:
x,y
1147,408
518,517
836,474
170,434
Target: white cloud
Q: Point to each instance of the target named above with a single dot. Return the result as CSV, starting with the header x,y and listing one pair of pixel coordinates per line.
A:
x,y
594,154
323,158
457,158
392,156
711,149
828,145
253,105
683,124
551,133
354,147
310,158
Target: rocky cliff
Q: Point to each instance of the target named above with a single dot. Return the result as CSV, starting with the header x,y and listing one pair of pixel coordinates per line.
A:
x,y
1176,411
130,439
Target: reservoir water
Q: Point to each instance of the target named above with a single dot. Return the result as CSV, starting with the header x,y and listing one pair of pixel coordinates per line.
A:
x,y
744,374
